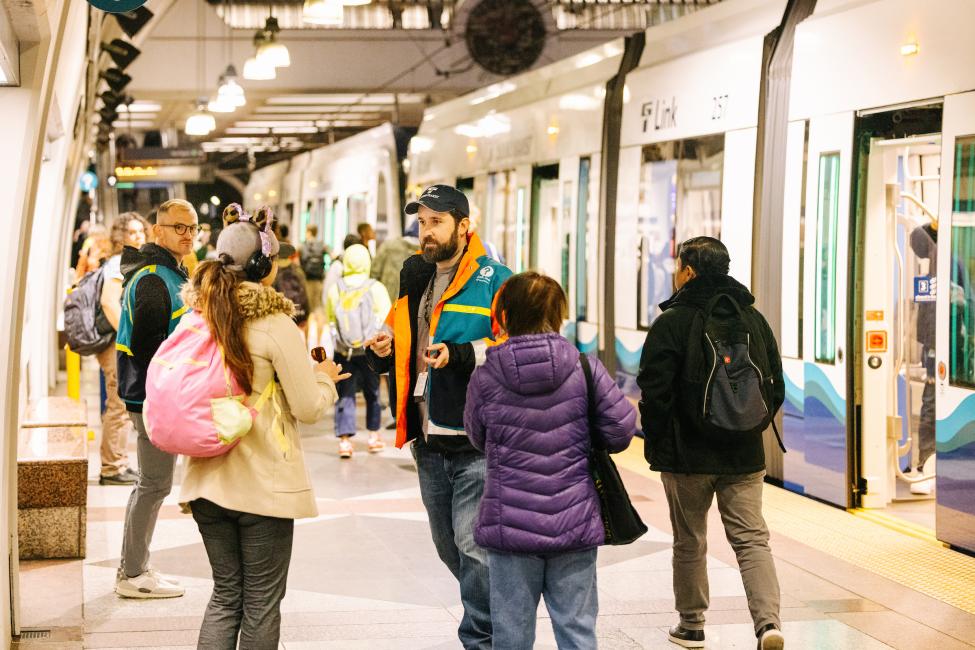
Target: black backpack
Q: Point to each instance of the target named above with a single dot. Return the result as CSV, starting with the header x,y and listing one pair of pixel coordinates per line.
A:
x,y
289,284
85,324
313,260
726,381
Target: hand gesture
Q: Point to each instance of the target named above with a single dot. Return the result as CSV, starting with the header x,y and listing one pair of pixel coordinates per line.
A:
x,y
332,370
437,356
381,344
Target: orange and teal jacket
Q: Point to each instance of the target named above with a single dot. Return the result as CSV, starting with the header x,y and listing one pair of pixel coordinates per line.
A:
x,y
464,319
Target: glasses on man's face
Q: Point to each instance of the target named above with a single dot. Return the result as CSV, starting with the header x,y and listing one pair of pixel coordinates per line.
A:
x,y
182,228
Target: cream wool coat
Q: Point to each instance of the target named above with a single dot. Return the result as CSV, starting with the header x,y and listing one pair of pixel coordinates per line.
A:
x,y
258,476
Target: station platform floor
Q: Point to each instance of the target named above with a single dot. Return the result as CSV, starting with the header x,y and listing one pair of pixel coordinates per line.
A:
x,y
364,573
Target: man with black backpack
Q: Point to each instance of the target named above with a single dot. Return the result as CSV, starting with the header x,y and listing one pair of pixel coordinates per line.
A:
x,y
711,382
313,264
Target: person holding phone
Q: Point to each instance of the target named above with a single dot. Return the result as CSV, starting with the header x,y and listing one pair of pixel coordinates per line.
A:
x,y
438,331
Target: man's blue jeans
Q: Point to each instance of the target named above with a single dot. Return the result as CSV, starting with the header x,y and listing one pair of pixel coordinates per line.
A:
x,y
568,582
451,486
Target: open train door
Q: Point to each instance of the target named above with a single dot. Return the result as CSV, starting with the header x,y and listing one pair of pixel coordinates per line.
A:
x,y
821,468
955,405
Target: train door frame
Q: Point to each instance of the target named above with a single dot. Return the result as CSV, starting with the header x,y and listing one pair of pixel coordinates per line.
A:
x,y
826,415
955,401
873,482
539,174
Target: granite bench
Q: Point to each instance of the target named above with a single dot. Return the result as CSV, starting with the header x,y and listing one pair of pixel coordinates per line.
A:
x,y
52,479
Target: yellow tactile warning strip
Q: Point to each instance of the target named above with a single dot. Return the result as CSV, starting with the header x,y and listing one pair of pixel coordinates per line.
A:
x,y
891,548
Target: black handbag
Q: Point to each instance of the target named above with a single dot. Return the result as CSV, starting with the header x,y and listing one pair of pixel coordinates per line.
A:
x,y
621,521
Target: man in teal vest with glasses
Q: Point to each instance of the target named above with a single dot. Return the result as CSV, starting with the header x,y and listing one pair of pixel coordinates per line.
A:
x,y
151,309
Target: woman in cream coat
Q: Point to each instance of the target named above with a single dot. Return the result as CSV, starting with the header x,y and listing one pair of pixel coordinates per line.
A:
x,y
245,501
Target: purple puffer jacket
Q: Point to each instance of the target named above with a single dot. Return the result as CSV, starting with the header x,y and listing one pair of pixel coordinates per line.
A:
x,y
527,410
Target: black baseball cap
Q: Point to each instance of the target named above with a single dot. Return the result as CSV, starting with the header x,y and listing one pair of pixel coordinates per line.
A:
x,y
441,198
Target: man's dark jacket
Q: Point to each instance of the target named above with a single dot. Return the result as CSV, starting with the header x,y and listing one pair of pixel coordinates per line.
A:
x,y
450,382
670,443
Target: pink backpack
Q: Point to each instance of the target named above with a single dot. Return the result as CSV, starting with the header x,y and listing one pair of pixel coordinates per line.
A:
x,y
194,405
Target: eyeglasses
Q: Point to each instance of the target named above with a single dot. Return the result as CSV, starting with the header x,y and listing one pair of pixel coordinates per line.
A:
x,y
182,228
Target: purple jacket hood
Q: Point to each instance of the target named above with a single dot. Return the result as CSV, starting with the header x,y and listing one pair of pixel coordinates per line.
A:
x,y
527,409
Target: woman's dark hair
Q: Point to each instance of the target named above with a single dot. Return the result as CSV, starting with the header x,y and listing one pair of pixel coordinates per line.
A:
x,y
216,285
351,240
531,303
706,255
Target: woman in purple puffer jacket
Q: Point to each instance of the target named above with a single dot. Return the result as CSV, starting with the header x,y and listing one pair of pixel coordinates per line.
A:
x,y
527,409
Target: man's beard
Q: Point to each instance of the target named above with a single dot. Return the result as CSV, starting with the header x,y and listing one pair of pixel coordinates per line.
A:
x,y
442,252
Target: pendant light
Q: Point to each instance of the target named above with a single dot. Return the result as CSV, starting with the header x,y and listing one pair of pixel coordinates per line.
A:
x,y
271,51
230,91
329,13
256,68
200,122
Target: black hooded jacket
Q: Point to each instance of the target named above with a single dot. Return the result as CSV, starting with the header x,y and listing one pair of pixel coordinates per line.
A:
x,y
670,445
151,315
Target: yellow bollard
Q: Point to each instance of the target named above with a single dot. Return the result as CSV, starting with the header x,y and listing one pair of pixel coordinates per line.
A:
x,y
73,364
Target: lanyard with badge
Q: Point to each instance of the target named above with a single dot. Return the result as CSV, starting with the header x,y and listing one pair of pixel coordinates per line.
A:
x,y
420,390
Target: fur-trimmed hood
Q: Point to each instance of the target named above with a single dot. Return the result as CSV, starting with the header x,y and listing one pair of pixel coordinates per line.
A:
x,y
256,300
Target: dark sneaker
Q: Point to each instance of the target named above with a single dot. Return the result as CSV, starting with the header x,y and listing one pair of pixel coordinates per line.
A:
x,y
686,638
125,478
770,638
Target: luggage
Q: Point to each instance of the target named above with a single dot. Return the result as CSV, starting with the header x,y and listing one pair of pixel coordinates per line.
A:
x,y
85,324
194,405
355,320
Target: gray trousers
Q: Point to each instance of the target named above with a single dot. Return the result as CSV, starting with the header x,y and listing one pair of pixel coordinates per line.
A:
x,y
249,556
155,482
740,504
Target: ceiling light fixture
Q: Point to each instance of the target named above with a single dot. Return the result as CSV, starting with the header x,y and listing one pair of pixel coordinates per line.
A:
x,y
122,52
116,79
200,122
270,50
132,22
328,13
257,70
229,92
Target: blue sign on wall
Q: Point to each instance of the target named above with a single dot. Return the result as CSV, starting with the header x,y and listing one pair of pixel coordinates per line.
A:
x,y
925,288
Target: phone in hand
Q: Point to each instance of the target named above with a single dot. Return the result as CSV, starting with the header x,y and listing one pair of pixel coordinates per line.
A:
x,y
319,354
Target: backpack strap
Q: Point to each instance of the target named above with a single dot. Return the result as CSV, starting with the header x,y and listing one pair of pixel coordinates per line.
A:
x,y
590,400
778,437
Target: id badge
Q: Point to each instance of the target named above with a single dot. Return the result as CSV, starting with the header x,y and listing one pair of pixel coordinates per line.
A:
x,y
420,391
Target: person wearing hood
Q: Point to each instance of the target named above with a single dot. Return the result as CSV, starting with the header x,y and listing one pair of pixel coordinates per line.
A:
x,y
390,257
696,465
245,501
151,309
355,309
540,520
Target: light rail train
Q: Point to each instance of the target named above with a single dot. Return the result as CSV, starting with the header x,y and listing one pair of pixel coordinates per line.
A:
x,y
830,145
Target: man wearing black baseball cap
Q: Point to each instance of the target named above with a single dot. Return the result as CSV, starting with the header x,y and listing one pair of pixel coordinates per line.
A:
x,y
442,324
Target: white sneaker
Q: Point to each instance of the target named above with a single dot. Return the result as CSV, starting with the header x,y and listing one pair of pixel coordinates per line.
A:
x,y
771,639
148,585
922,487
162,577
345,448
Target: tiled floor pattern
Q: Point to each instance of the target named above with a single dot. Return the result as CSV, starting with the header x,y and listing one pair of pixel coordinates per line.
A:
x,y
365,575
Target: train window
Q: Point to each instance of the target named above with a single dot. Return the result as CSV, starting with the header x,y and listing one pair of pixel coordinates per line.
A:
x,y
358,212
961,309
582,242
679,198
827,215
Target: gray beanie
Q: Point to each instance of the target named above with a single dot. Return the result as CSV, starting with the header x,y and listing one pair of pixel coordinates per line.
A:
x,y
241,240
